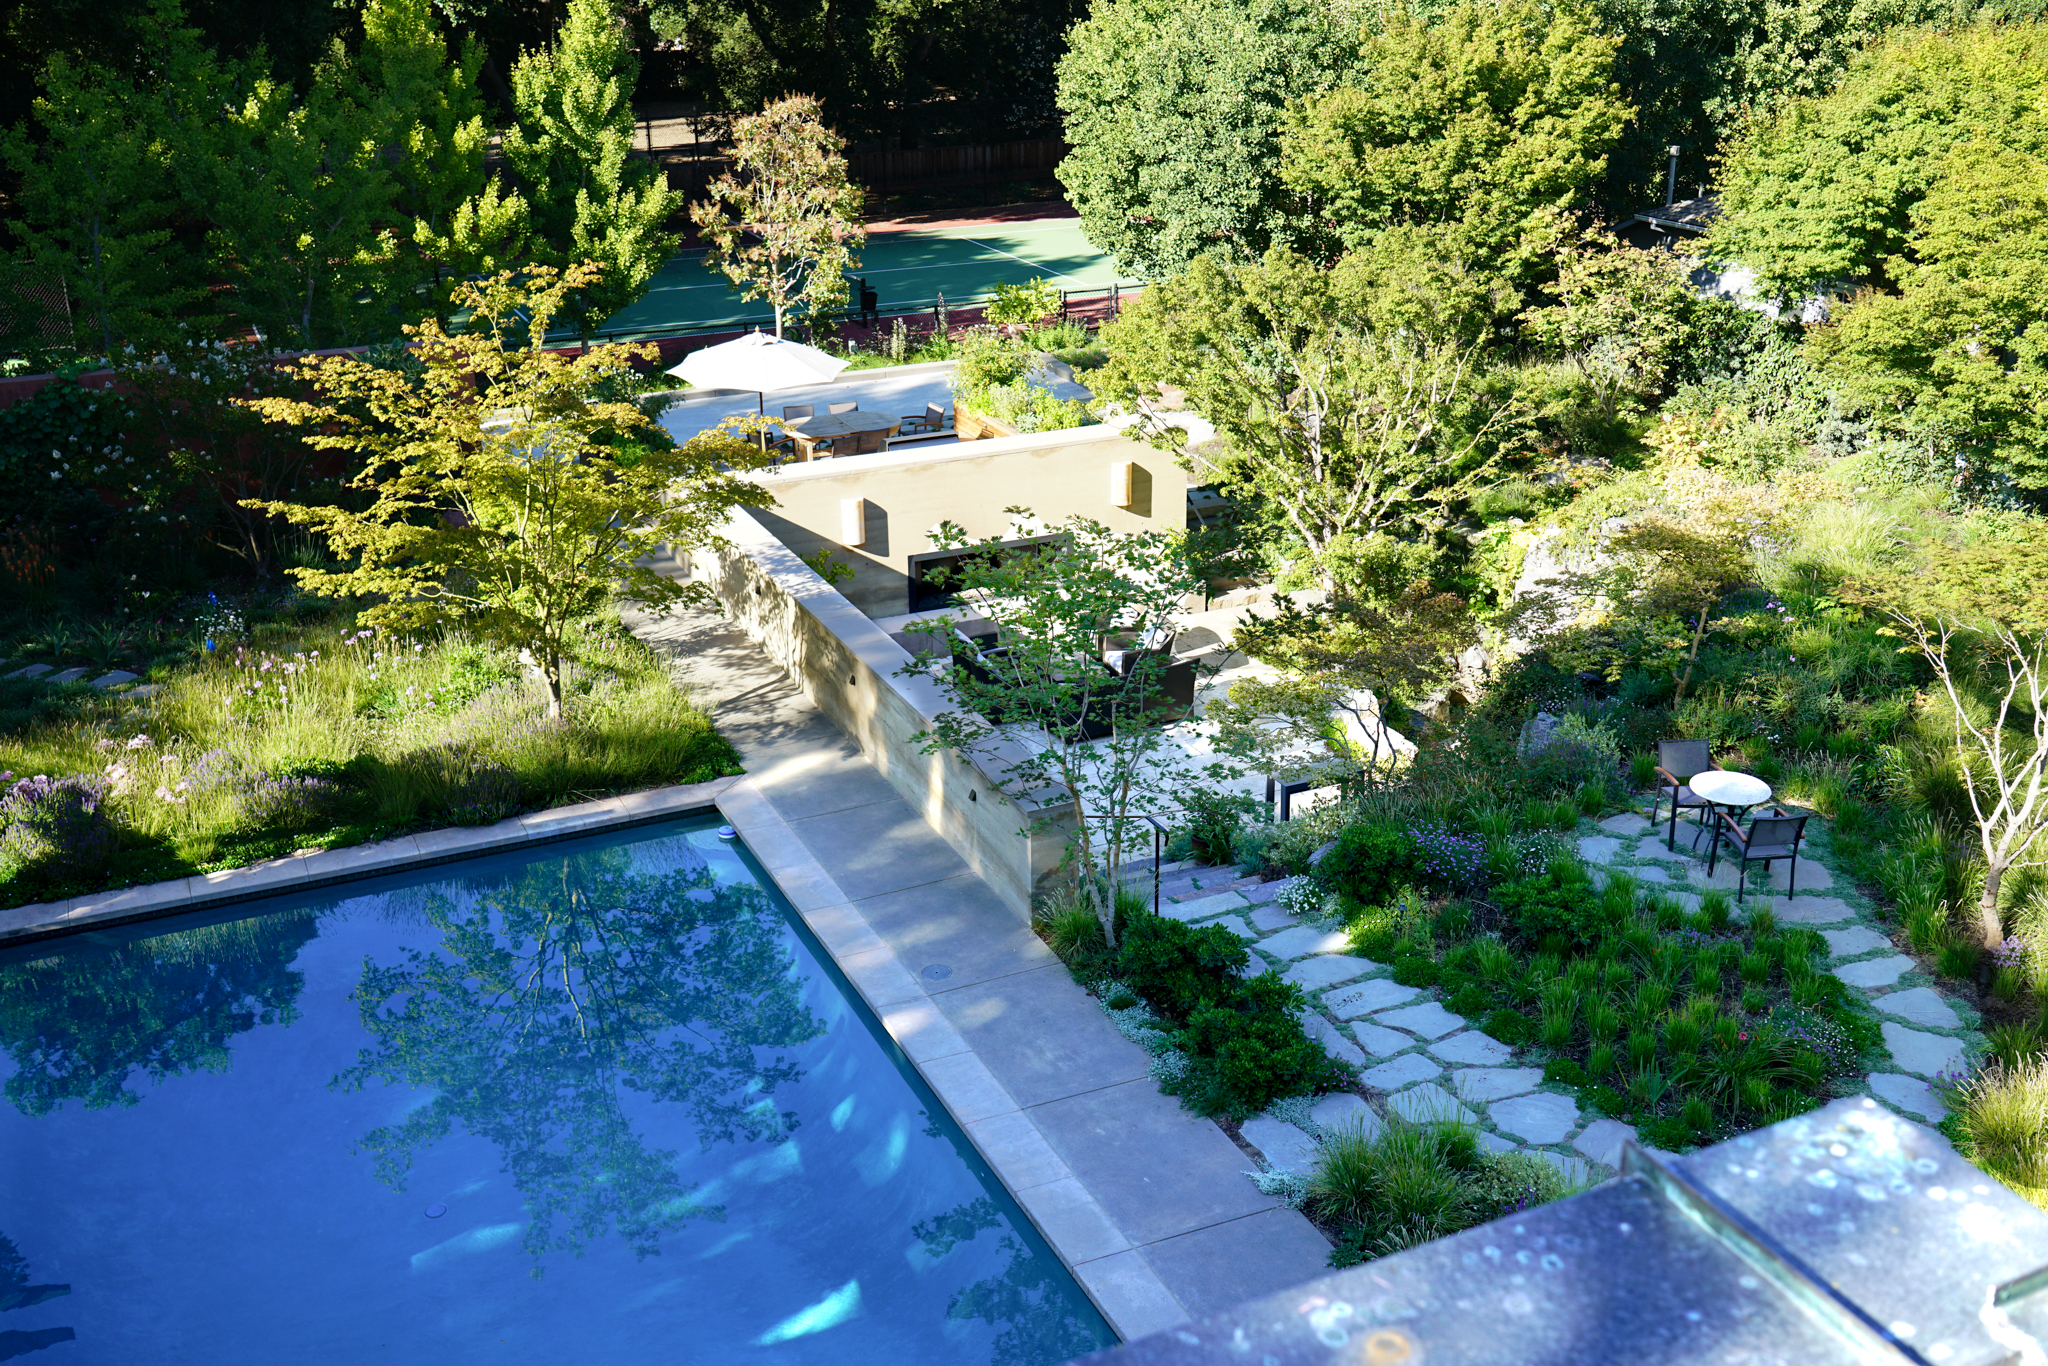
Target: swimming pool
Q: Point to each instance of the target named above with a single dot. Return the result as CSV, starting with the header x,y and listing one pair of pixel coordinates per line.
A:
x,y
596,1102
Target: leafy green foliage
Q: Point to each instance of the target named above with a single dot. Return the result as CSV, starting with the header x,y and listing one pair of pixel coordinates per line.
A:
x,y
1349,402
785,224
1177,968
1478,125
556,511
1370,862
1174,113
1826,191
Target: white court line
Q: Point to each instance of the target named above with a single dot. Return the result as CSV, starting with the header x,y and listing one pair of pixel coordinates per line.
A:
x,y
1035,265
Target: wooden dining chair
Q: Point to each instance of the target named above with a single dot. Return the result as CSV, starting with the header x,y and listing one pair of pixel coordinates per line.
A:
x,y
932,419
837,408
1677,763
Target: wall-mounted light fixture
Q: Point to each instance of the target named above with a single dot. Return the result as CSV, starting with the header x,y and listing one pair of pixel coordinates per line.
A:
x,y
1120,483
853,521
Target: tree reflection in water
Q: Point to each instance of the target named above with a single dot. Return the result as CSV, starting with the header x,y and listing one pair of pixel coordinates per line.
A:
x,y
1031,1302
81,1021
17,1293
555,992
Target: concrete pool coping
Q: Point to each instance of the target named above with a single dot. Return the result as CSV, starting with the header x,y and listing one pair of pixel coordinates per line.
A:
x,y
1102,1255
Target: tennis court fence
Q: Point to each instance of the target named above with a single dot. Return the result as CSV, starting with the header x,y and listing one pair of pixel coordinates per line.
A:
x,y
1091,305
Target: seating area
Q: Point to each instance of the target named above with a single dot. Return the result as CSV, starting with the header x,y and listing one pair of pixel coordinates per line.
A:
x,y
1688,779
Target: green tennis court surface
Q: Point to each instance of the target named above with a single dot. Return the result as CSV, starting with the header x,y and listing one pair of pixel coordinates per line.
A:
x,y
908,270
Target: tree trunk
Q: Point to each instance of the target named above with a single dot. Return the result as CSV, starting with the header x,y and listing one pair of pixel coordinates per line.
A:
x,y
552,671
1699,630
1988,927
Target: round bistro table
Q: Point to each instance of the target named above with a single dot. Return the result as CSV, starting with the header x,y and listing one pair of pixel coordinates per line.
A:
x,y
1738,792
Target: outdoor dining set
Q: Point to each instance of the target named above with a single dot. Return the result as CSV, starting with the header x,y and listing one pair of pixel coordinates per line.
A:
x,y
761,364
845,429
1689,780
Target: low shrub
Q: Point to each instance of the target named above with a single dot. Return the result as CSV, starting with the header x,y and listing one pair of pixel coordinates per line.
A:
x,y
1178,968
2001,1124
1370,861
1556,903
55,829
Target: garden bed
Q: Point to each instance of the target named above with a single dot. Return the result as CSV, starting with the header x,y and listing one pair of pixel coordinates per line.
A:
x,y
308,734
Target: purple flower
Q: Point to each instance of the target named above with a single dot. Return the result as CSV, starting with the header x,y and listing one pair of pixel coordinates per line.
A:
x,y
56,825
2011,954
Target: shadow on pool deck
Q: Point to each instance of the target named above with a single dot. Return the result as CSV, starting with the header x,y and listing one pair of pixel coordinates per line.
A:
x,y
1142,1189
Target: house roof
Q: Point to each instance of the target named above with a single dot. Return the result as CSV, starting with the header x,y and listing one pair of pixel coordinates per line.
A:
x,y
1687,215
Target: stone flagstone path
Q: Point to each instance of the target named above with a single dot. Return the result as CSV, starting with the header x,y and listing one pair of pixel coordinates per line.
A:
x,y
1427,1061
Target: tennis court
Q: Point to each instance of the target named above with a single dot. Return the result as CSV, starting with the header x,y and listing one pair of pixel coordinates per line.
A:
x,y
908,270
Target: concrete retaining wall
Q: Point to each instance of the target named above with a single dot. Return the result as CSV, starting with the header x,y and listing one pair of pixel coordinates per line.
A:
x,y
848,667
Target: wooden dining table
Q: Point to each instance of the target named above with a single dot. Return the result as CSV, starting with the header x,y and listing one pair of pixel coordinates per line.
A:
x,y
807,432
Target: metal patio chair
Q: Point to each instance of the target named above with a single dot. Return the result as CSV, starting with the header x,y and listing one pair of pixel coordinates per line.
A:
x,y
791,411
1768,839
1677,762
835,409
933,419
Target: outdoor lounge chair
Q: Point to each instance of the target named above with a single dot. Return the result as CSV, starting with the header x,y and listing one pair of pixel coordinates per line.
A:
x,y
1677,762
1768,839
933,419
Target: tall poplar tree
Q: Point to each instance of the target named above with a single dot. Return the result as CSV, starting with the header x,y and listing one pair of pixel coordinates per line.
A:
x,y
570,149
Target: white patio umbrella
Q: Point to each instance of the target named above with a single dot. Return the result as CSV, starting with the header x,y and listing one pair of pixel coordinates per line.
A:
x,y
759,362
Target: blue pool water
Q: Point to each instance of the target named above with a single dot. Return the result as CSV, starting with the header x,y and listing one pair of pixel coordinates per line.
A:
x,y
602,1102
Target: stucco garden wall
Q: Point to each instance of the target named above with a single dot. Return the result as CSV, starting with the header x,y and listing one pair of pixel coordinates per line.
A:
x,y
911,489
848,667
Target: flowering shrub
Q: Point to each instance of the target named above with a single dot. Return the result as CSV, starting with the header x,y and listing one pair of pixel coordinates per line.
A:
x,y
1447,860
489,793
288,803
55,824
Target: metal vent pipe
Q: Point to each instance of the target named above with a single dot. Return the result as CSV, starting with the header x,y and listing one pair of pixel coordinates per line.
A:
x,y
1671,179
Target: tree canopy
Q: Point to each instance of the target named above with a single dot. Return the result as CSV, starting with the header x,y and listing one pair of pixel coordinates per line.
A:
x,y
1824,193
502,490
1174,111
1479,125
1351,401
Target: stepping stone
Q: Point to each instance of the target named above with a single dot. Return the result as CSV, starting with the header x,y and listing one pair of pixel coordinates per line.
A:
x,y
1920,1006
31,671
1472,1049
1421,1104
1811,910
1202,907
1602,1140
114,678
1874,972
1627,826
146,690
1405,1070
1575,1169
1429,1019
1482,1084
1539,1118
1922,1054
1367,997
1334,1043
1813,876
1381,1042
1494,1144
1910,1094
68,676
1326,970
1235,924
1650,872
1341,1112
1599,848
1271,917
1284,1147
1303,940
1848,943
1264,892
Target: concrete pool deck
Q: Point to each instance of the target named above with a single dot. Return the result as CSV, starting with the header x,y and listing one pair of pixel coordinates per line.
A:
x,y
1146,1203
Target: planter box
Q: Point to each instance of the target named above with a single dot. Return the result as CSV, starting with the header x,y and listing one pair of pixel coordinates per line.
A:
x,y
972,426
